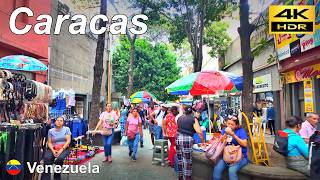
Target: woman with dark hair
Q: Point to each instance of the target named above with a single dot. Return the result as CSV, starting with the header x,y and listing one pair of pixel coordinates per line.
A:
x,y
187,126
297,148
59,139
170,131
133,131
235,135
108,119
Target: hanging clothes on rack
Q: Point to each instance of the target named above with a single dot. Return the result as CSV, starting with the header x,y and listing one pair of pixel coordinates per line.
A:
x,y
22,143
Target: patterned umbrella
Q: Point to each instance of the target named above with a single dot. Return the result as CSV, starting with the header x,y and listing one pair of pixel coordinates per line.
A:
x,y
142,94
22,63
206,82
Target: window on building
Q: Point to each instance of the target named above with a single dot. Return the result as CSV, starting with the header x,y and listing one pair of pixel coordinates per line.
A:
x,y
23,16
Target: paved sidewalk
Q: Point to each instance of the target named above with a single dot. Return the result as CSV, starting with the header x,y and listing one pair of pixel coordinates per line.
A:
x,y
122,168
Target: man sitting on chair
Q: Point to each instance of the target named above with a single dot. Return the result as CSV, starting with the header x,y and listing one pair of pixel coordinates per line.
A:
x,y
59,139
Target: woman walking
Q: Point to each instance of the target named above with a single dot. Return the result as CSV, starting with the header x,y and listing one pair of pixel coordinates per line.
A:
x,y
187,126
133,131
108,119
170,131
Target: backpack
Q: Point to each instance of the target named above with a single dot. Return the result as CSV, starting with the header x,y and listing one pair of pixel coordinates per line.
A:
x,y
314,156
165,113
280,144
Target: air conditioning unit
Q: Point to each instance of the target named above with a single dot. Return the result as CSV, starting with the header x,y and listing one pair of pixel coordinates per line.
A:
x,y
63,8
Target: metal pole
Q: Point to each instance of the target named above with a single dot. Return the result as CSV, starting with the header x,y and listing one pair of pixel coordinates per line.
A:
x,y
209,111
109,68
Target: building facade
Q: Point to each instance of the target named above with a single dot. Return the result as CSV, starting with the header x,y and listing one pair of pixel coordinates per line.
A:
x,y
30,44
72,58
299,60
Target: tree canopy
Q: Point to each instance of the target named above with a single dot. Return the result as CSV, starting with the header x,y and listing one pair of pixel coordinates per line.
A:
x,y
186,19
217,38
155,67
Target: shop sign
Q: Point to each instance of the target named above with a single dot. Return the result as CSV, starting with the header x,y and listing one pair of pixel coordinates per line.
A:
x,y
307,42
295,47
302,74
284,52
262,84
317,38
308,96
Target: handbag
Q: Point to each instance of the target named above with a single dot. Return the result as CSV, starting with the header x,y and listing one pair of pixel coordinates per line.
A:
x,y
131,135
232,154
215,151
106,131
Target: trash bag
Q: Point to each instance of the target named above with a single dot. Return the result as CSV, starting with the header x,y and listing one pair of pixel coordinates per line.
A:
x,y
124,141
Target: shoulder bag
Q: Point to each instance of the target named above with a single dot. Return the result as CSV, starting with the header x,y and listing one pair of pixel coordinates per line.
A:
x,y
232,154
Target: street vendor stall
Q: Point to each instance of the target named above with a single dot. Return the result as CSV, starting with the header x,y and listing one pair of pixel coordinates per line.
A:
x,y
24,111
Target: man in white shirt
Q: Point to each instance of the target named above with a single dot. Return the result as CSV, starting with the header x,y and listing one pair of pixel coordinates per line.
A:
x,y
159,115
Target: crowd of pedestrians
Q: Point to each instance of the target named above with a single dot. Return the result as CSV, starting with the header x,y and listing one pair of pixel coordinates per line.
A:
x,y
178,124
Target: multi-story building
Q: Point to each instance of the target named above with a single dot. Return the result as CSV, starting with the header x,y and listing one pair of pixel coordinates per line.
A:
x,y
29,44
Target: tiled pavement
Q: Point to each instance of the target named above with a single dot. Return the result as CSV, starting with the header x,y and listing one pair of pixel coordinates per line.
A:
x,y
122,168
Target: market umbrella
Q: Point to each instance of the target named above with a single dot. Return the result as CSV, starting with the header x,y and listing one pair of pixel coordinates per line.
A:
x,y
206,82
139,100
142,96
22,63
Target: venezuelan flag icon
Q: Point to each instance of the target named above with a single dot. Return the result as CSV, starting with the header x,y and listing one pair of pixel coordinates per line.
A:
x,y
13,167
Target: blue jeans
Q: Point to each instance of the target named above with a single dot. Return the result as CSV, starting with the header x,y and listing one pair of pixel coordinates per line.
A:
x,y
221,165
107,140
133,145
158,132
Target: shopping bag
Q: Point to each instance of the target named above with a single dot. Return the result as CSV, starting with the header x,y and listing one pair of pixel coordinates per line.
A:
x,y
124,141
213,146
215,152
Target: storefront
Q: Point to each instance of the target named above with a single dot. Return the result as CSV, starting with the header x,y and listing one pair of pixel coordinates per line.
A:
x,y
302,90
300,73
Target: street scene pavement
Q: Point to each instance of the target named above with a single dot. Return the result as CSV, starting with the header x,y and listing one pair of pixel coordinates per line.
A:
x,y
122,168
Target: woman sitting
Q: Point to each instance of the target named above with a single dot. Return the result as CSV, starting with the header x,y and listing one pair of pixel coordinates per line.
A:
x,y
297,148
235,135
58,141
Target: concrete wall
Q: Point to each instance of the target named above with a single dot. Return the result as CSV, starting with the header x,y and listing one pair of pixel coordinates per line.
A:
x,y
72,59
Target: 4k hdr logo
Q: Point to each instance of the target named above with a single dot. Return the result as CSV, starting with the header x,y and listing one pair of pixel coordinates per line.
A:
x,y
291,19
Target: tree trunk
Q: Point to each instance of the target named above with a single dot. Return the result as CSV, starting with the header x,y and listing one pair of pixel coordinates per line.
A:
x,y
245,32
98,71
130,70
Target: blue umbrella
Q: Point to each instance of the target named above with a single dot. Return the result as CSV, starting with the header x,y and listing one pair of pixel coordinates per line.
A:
x,y
22,63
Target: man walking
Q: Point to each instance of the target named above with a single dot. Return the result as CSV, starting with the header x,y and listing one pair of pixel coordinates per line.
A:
x,y
159,115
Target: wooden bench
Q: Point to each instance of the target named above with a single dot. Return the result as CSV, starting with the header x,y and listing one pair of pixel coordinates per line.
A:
x,y
202,169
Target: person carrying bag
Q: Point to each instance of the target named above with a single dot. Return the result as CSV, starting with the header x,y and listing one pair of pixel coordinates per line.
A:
x,y
133,131
235,150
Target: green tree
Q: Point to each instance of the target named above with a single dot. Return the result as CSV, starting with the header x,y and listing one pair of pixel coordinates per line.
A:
x,y
217,38
186,20
154,67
